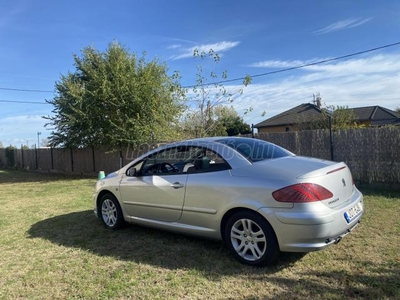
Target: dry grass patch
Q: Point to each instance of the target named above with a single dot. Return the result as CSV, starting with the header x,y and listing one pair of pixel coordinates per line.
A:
x,y
52,247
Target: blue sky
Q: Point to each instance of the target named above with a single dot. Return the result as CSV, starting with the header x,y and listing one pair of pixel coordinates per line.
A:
x,y
38,39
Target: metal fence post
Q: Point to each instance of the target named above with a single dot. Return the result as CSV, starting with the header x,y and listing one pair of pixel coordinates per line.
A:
x,y
72,160
121,159
22,156
94,160
52,158
36,154
330,135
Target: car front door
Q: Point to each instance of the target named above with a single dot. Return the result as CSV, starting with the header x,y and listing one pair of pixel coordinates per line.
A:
x,y
156,190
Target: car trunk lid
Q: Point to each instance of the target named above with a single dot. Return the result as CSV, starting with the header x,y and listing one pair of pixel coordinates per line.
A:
x,y
286,168
336,178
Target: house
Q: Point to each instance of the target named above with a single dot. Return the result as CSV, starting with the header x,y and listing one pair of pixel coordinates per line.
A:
x,y
297,117
376,116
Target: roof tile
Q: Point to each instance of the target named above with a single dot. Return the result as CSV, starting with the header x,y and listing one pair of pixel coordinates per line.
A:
x,y
310,112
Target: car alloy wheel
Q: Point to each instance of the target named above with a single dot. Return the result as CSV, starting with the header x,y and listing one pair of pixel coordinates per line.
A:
x,y
111,213
251,239
248,239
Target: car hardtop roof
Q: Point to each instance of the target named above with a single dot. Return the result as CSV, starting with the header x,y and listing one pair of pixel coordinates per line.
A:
x,y
202,142
217,138
207,140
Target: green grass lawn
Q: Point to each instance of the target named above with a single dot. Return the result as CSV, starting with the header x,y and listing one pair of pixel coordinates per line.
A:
x,y
52,247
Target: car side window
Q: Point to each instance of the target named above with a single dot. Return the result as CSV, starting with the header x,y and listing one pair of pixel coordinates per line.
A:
x,y
209,161
169,161
183,159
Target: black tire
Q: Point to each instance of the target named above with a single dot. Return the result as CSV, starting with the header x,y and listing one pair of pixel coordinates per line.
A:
x,y
110,212
251,239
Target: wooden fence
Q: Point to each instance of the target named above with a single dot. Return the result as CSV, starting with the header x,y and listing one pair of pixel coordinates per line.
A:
x,y
373,154
82,161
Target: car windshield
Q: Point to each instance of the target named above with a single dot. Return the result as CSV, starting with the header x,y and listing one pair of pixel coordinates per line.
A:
x,y
255,150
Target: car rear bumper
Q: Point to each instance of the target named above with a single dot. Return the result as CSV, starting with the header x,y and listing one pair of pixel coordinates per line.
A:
x,y
312,230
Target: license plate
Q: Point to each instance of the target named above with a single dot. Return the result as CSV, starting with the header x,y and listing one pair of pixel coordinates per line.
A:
x,y
353,212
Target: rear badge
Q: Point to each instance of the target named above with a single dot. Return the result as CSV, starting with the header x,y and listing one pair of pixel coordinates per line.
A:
x,y
344,182
333,201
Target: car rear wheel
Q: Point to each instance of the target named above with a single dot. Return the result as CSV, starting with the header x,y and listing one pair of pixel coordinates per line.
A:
x,y
111,213
251,239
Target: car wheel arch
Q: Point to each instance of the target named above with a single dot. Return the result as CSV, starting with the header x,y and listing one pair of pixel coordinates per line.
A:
x,y
100,195
233,211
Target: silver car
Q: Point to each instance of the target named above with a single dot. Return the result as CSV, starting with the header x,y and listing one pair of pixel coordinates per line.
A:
x,y
256,196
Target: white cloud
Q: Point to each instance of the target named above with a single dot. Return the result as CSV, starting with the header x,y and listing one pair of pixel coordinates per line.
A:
x,y
178,40
284,64
343,24
22,129
174,46
367,81
374,64
216,47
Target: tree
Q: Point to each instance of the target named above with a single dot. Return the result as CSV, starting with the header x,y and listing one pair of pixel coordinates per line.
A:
x,y
1,145
398,109
223,121
10,156
45,142
193,125
342,117
113,98
200,118
231,121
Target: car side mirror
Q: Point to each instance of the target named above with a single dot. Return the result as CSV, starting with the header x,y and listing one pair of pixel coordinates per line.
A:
x,y
131,172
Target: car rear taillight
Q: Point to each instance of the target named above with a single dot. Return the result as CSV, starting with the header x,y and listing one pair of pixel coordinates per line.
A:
x,y
302,193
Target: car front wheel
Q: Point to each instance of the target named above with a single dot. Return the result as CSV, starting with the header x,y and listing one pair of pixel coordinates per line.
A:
x,y
111,213
251,239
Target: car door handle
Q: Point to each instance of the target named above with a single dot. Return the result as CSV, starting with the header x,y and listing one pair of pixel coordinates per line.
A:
x,y
177,185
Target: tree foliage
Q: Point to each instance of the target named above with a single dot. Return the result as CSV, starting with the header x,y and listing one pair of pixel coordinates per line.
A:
x,y
223,121
10,156
113,98
343,117
232,123
398,109
208,94
45,142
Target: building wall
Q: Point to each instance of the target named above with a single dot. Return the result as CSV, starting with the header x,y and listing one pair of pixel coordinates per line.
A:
x,y
276,129
283,128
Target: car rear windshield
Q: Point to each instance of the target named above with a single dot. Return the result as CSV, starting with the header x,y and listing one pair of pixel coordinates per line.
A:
x,y
254,149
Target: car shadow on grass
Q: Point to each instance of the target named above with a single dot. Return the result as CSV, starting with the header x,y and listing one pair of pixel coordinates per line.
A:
x,y
144,245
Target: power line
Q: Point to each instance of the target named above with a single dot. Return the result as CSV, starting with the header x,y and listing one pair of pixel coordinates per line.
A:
x,y
230,80
29,102
300,66
25,90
